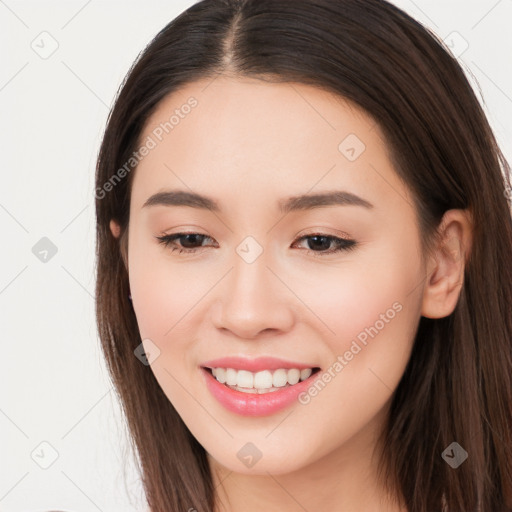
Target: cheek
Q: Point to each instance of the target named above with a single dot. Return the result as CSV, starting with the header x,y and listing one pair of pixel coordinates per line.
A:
x,y
374,316
163,300
367,291
162,290
169,300
369,311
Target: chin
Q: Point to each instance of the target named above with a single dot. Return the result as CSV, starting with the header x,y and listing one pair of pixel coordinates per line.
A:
x,y
275,463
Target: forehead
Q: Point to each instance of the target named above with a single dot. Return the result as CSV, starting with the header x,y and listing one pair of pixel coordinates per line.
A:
x,y
229,110
250,135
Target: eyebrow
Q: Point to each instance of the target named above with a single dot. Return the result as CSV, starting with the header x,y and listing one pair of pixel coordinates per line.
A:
x,y
293,203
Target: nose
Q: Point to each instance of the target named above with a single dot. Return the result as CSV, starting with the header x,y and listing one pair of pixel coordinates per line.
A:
x,y
253,300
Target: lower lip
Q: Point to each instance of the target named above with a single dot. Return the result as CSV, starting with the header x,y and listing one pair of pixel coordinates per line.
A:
x,y
251,404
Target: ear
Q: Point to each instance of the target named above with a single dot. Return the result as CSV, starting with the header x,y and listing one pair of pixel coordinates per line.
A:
x,y
115,228
123,241
445,269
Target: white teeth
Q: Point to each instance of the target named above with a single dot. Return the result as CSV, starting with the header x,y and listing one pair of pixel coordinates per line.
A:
x,y
264,381
220,374
244,379
304,374
293,376
280,378
231,376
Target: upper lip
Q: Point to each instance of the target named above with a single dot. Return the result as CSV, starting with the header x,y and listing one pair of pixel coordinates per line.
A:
x,y
254,365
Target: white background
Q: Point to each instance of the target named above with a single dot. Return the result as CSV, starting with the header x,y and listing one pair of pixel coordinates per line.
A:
x,y
54,385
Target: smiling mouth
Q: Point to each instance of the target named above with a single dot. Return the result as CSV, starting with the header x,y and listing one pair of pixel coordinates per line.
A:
x,y
265,381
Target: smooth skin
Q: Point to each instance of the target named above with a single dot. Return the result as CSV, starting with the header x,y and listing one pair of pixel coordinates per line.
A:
x,y
249,144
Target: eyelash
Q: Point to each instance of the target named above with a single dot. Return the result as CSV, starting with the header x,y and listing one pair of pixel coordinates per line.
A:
x,y
344,244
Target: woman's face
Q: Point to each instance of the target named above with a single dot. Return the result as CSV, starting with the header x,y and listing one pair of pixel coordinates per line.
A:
x,y
258,283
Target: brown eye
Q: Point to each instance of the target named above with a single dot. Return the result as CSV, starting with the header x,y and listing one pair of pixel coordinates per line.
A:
x,y
189,242
319,244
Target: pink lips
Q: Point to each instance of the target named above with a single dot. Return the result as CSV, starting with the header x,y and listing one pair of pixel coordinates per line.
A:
x,y
251,404
254,365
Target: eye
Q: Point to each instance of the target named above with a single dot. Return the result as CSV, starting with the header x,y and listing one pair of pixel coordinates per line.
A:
x,y
322,241
319,244
193,240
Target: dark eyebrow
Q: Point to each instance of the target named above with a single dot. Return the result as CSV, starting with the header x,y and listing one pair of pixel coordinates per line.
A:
x,y
333,198
182,198
294,203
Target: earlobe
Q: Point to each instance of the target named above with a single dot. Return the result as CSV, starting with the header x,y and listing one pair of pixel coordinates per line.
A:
x,y
115,228
445,272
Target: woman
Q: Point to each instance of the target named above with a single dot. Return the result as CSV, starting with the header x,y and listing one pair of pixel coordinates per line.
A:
x,y
303,280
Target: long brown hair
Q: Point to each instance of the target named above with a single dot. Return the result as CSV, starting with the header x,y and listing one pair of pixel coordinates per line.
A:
x,y
457,385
